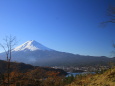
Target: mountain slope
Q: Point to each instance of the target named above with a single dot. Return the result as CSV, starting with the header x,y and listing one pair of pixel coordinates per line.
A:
x,y
105,79
34,53
22,67
31,45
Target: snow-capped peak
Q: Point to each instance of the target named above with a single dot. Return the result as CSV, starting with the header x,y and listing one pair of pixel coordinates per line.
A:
x,y
31,45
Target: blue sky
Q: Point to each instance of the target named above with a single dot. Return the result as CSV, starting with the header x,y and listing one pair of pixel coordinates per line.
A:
x,y
64,25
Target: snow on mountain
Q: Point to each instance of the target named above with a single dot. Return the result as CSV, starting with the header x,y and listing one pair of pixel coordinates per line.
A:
x,y
32,52
31,45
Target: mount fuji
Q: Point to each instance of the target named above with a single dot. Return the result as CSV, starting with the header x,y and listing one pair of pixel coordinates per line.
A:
x,y
32,52
31,45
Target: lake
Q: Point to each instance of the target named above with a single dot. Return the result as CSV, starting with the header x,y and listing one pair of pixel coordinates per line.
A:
x,y
74,74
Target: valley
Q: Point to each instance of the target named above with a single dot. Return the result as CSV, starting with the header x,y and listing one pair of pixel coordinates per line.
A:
x,y
57,42
33,64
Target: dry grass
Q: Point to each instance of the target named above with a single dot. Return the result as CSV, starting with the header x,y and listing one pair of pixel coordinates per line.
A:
x,y
105,79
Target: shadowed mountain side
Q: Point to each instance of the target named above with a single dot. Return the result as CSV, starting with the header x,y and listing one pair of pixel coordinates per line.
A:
x,y
23,68
56,58
32,52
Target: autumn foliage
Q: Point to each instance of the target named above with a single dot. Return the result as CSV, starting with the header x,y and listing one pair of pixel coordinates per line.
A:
x,y
27,75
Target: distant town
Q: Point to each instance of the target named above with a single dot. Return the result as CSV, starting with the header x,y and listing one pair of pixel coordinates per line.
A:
x,y
82,69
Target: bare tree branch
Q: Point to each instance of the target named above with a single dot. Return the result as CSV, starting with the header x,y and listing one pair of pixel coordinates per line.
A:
x,y
10,42
111,13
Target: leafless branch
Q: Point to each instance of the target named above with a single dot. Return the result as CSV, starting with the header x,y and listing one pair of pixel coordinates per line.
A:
x,y
8,46
111,13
